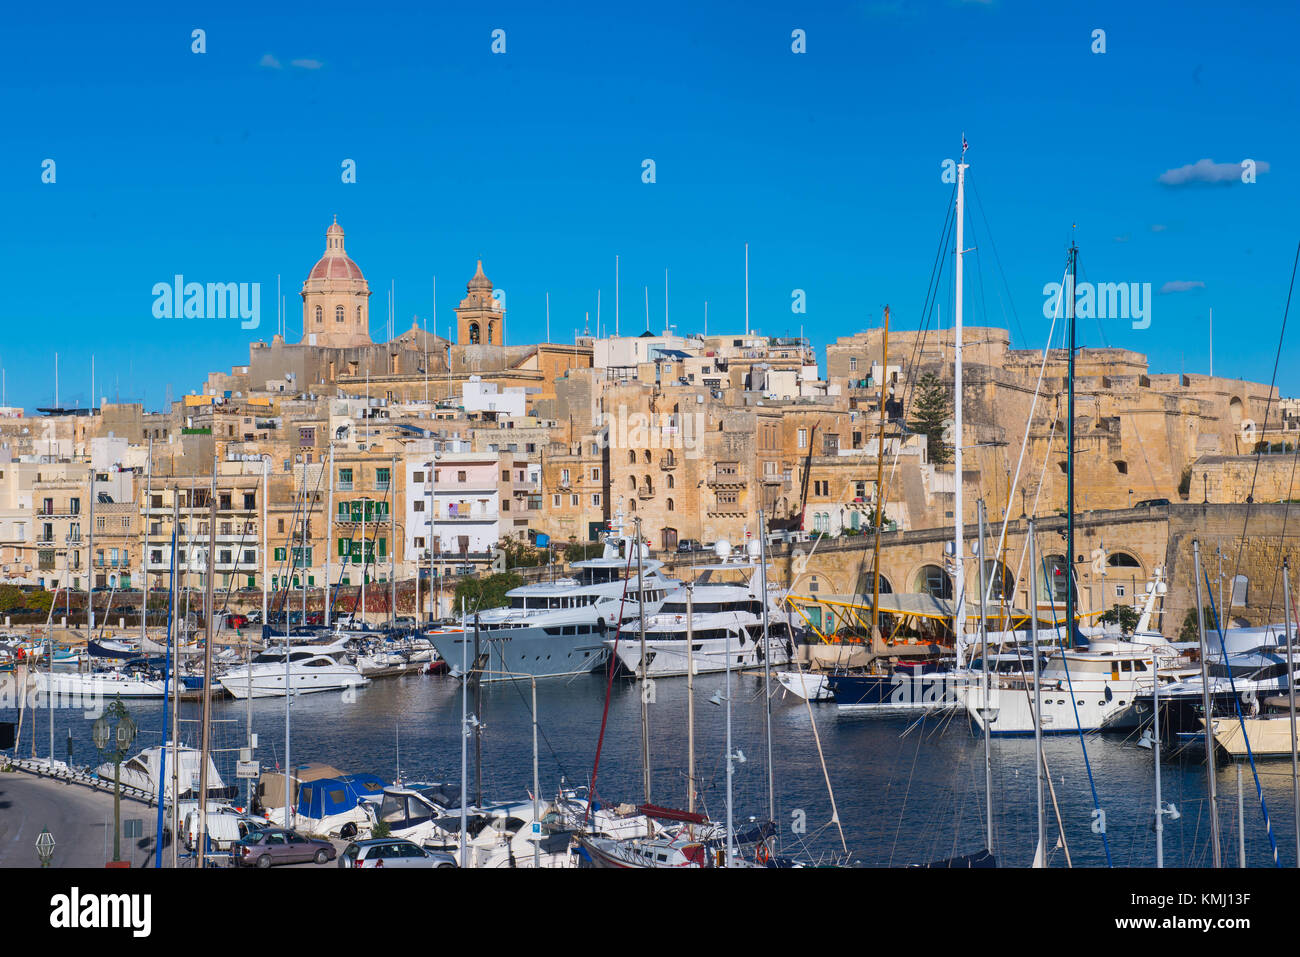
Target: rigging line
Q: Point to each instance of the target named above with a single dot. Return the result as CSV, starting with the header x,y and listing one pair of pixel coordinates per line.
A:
x,y
1137,433
1232,684
613,658
1069,629
988,234
1286,512
1272,384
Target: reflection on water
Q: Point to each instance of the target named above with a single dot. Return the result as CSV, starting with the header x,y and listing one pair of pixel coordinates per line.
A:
x,y
908,789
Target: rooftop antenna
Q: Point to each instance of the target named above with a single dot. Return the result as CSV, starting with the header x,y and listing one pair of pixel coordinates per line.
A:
x,y
616,296
746,288
279,308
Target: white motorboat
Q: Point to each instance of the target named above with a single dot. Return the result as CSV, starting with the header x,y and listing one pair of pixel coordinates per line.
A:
x,y
311,668
558,628
90,685
727,613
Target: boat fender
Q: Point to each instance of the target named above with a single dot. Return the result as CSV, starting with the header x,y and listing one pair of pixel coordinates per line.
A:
x,y
761,855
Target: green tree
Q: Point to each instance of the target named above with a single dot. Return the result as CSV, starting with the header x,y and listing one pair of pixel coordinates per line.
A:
x,y
1126,617
11,597
520,554
931,407
574,552
40,600
1189,632
489,592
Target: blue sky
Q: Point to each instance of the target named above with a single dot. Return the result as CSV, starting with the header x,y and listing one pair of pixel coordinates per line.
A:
x,y
225,167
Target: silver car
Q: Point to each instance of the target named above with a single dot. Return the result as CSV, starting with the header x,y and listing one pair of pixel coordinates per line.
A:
x,y
392,852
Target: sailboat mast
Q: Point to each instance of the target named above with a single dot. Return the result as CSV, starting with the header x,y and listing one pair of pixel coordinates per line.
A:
x,y
880,480
1290,691
1069,456
1038,700
690,698
175,636
767,667
329,519
144,558
205,736
959,569
984,655
1210,769
645,687
1155,753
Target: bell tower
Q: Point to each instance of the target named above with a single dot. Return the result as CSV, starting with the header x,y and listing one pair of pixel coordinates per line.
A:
x,y
480,319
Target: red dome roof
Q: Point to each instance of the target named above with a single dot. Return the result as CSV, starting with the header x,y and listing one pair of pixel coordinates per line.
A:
x,y
336,266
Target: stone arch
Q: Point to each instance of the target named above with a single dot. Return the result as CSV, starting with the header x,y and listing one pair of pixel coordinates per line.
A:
x,y
1236,410
1051,586
999,581
931,579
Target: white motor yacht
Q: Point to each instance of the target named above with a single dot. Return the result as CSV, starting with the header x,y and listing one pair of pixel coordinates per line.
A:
x,y
310,668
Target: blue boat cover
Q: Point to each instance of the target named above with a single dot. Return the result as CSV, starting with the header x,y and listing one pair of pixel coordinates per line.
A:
x,y
326,796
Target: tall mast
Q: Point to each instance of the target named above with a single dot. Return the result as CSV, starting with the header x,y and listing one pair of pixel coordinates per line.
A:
x,y
392,542
690,698
1069,455
329,515
645,687
880,488
984,656
1210,769
266,545
767,668
205,736
1040,855
174,633
1290,692
90,563
959,568
144,558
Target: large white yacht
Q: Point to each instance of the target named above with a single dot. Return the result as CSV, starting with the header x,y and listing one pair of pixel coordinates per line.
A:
x,y
311,668
727,611
557,628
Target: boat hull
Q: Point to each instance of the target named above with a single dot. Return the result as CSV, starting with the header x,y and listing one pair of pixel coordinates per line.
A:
x,y
510,652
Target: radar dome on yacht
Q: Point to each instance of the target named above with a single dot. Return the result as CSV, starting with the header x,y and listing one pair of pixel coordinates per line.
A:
x,y
754,549
722,548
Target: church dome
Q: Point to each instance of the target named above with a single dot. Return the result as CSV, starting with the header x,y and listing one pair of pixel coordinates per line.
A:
x,y
335,264
479,281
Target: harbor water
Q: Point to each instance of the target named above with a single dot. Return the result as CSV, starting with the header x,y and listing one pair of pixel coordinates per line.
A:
x,y
909,788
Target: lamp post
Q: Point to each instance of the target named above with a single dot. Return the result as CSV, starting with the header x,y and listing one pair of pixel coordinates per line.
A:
x,y
1205,487
117,727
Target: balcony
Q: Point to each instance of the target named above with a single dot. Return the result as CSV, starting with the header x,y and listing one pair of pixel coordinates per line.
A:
x,y
644,493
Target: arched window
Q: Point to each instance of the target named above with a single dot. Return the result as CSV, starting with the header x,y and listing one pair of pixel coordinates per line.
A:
x,y
647,456
319,315
631,458
631,505
358,315
338,313
670,505
934,581
631,483
670,479
473,334
1122,560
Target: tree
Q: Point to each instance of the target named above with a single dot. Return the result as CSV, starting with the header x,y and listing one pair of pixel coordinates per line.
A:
x,y
520,554
931,408
1189,632
11,597
1125,616
489,592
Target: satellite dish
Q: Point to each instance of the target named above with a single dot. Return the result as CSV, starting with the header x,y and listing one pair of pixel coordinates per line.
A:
x,y
754,549
722,548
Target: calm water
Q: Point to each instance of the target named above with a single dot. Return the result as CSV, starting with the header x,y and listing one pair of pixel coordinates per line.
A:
x,y
908,789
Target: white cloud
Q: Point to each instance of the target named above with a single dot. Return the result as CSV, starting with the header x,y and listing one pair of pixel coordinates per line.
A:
x,y
307,64
1207,171
269,62
1181,285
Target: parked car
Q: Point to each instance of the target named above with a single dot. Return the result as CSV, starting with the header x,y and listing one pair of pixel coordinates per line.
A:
x,y
1151,502
278,845
690,545
392,852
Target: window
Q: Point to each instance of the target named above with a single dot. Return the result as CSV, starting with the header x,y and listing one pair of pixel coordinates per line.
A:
x,y
853,363
358,315
338,313
803,438
555,501
417,477
595,475
460,476
279,554
670,505
383,478
418,505
595,499
575,500
319,315
564,476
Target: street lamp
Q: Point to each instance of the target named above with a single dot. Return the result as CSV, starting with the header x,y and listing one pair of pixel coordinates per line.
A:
x,y
120,735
